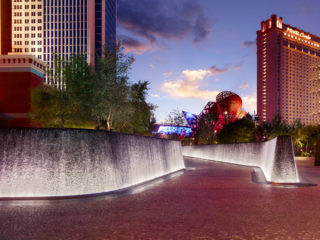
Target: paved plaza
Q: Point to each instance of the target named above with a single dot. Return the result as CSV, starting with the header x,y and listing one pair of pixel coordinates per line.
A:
x,y
210,200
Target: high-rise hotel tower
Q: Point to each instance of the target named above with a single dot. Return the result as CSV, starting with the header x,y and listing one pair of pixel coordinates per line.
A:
x,y
287,75
50,28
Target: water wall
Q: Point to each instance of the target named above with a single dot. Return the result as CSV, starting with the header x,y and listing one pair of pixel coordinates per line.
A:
x,y
64,162
274,157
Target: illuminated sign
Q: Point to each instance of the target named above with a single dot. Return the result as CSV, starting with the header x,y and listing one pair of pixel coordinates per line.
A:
x,y
300,34
175,130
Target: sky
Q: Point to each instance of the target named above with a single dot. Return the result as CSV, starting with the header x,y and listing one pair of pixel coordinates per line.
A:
x,y
191,50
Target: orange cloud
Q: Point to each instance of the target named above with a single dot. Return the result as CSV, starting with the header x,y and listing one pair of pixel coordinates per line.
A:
x,y
189,82
167,74
244,85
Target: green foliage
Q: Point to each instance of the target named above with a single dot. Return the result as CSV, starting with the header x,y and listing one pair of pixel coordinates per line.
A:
x,y
99,98
51,107
240,131
139,114
205,133
303,137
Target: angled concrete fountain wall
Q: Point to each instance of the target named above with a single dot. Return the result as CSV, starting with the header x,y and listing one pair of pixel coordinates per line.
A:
x,y
274,157
64,162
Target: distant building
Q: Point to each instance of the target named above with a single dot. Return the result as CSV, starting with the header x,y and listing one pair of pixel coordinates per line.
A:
x,y
18,75
27,28
5,27
287,85
48,29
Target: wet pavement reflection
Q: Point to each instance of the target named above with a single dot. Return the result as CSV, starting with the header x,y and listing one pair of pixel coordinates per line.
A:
x,y
210,200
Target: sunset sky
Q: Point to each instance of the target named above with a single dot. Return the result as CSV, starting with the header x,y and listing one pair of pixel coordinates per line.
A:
x,y
191,50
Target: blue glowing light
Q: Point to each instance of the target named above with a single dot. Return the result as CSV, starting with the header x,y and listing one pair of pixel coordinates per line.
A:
x,y
175,130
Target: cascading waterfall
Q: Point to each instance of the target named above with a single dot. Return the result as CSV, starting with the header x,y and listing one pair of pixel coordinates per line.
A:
x,y
65,162
274,157
267,154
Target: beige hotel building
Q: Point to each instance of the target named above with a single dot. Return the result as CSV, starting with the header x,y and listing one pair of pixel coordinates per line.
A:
x,y
287,74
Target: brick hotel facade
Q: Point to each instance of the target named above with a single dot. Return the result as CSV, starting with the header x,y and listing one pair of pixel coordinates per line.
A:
x,y
287,84
18,75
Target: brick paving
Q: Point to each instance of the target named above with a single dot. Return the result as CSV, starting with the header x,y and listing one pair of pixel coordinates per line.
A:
x,y
209,201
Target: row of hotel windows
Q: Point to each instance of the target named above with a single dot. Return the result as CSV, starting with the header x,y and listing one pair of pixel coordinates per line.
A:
x,y
27,42
65,49
67,41
66,26
27,50
75,34
54,34
19,21
33,35
301,48
33,28
53,10
26,14
27,0
16,7
301,53
301,39
65,18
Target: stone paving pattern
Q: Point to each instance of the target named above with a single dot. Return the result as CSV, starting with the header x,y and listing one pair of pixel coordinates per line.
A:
x,y
212,201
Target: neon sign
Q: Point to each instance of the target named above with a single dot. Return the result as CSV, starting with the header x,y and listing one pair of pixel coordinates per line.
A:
x,y
175,130
300,34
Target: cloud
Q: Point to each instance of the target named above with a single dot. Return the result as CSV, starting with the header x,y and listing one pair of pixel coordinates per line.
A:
x,y
189,82
167,74
165,19
133,45
249,103
244,86
155,95
213,70
249,44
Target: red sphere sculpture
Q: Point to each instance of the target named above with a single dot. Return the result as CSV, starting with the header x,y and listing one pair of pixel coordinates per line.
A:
x,y
227,108
230,106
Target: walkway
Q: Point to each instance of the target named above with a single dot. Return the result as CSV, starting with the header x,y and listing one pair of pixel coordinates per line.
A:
x,y
212,201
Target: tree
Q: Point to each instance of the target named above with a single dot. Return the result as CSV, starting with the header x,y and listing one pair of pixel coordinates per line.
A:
x,y
68,105
139,114
280,127
177,118
205,133
263,131
277,127
100,97
240,131
49,106
111,87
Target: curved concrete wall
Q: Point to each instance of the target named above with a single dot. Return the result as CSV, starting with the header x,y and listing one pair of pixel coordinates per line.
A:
x,y
274,157
64,162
